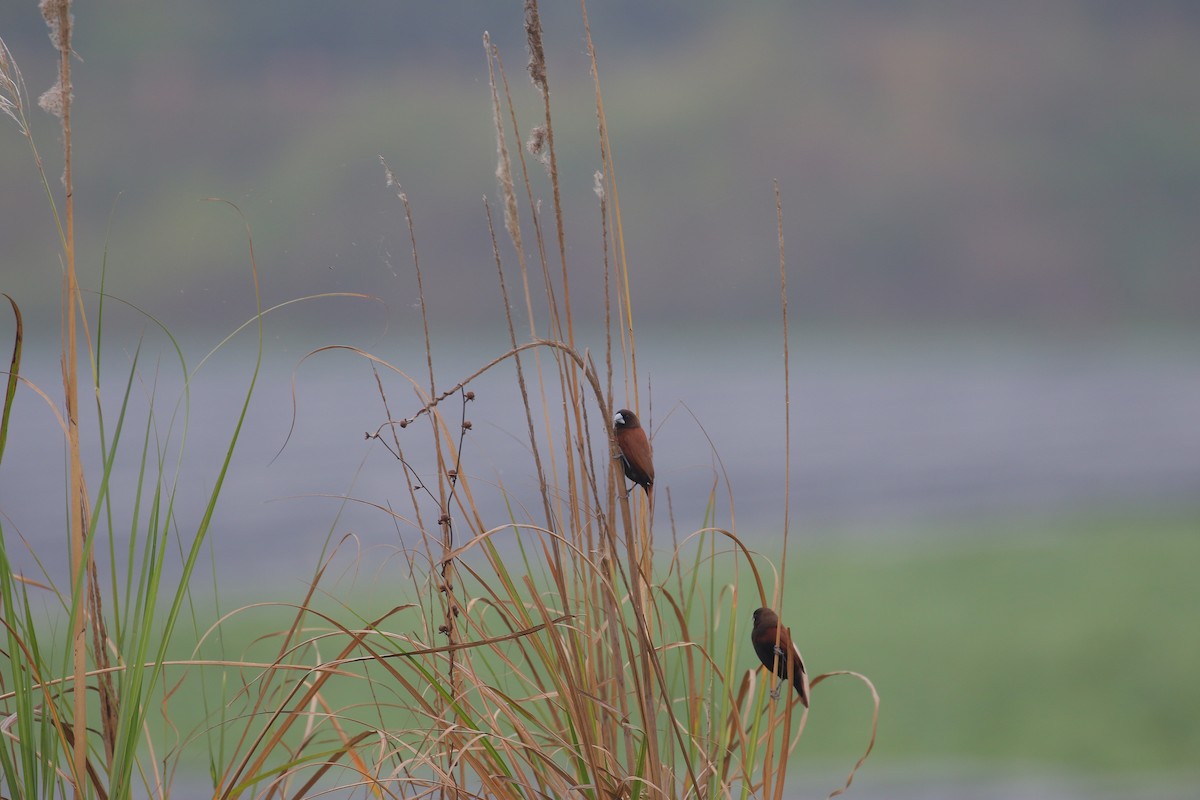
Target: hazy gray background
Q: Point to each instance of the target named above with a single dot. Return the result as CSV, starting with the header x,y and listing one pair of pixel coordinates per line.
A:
x,y
990,211
1024,164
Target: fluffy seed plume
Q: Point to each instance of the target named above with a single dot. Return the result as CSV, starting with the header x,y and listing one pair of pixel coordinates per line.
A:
x,y
536,142
59,20
536,145
53,100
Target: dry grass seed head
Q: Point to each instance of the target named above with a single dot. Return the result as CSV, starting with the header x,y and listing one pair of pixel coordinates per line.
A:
x,y
537,55
12,89
52,100
536,145
59,20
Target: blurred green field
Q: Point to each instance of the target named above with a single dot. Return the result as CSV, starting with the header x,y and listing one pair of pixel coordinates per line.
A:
x,y
1064,644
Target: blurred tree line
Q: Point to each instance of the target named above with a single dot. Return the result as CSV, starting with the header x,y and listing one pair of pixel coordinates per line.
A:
x,y
1019,163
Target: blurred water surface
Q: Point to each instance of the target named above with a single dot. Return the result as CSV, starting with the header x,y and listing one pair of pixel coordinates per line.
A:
x,y
886,436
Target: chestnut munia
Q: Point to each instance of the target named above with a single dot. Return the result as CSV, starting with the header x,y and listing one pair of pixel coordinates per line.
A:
x,y
774,647
635,448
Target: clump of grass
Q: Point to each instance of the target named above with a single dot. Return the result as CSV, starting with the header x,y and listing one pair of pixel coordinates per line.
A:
x,y
542,654
76,704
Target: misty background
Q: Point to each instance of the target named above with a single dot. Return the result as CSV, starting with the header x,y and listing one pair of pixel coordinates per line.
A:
x,y
990,222
1032,165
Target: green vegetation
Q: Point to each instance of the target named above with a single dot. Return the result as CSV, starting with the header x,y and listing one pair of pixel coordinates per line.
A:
x,y
557,666
1065,642
551,656
1062,642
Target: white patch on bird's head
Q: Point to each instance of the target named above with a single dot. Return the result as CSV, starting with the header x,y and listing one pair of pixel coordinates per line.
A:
x,y
618,418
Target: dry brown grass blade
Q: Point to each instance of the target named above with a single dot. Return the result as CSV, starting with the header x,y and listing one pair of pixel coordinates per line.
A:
x,y
612,196
733,537
59,19
712,446
695,704
535,219
787,399
508,318
649,674
451,607
455,739
735,731
571,694
434,402
541,760
787,744
349,743
265,745
14,371
61,727
569,379
538,73
233,774
109,703
790,707
874,722
529,649
550,623
31,582
482,537
541,144
59,101
93,775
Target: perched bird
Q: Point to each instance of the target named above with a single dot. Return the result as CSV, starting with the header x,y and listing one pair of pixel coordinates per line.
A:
x,y
774,647
635,449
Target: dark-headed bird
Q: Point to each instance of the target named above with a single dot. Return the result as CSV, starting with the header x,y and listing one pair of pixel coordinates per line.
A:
x,y
774,647
635,449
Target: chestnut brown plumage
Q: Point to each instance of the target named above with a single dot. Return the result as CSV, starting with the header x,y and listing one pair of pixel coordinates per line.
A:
x,y
774,647
635,448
